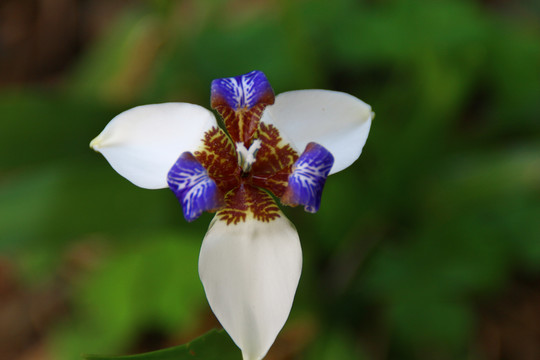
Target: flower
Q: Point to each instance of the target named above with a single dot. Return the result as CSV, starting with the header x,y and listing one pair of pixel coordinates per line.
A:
x,y
250,259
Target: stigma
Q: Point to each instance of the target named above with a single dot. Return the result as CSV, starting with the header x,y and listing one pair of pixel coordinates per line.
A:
x,y
246,157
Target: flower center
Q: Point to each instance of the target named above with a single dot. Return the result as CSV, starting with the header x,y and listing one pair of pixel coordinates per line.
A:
x,y
224,175
246,157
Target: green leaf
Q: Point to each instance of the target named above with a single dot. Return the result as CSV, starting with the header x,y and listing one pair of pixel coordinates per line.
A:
x,y
215,344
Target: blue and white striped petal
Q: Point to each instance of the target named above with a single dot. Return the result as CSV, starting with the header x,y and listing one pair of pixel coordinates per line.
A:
x,y
195,190
244,91
308,177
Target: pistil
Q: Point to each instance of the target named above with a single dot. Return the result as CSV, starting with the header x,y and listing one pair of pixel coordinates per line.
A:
x,y
246,157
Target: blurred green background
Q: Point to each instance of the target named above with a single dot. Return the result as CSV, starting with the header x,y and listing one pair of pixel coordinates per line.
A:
x,y
428,247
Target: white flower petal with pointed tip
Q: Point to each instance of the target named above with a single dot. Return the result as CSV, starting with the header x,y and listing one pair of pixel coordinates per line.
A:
x,y
252,305
285,146
143,143
338,121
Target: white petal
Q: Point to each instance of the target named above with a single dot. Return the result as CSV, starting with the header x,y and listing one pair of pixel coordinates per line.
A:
x,y
143,143
250,272
338,121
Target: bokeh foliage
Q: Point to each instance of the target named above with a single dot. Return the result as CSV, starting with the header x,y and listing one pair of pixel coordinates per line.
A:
x,y
438,217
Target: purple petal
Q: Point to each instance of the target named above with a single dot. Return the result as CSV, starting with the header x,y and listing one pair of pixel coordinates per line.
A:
x,y
195,190
308,177
244,91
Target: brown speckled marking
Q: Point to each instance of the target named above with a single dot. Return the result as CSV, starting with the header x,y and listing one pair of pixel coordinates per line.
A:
x,y
246,193
218,156
247,200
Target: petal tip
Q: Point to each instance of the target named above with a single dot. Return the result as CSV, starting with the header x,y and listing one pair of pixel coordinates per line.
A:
x,y
95,144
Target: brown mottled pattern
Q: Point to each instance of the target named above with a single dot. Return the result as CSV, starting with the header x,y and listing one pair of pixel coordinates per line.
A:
x,y
242,123
248,199
274,161
244,191
218,156
276,183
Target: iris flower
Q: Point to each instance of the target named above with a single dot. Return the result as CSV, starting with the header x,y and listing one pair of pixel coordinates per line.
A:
x,y
280,147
